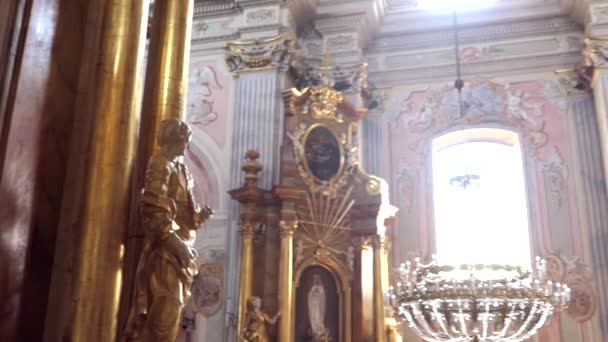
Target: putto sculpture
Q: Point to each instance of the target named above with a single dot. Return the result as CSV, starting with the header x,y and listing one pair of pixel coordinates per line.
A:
x,y
170,216
256,321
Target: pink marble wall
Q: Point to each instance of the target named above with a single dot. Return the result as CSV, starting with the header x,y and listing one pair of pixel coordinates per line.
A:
x,y
33,166
535,109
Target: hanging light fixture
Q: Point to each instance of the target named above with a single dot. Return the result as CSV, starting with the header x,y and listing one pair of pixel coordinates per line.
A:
x,y
475,302
459,83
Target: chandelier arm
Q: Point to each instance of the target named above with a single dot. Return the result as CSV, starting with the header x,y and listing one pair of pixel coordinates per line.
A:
x,y
441,320
424,324
484,330
523,327
541,321
409,316
510,316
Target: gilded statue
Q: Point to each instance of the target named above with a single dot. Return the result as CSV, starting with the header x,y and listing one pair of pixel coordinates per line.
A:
x,y
170,216
256,321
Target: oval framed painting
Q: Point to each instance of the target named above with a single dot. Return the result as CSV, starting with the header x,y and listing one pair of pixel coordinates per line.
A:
x,y
323,155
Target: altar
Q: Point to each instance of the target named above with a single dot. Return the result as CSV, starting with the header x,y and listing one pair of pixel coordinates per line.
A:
x,y
313,246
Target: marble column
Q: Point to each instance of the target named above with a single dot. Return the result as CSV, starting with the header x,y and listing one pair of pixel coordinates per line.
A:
x,y
257,124
591,197
362,293
600,95
379,255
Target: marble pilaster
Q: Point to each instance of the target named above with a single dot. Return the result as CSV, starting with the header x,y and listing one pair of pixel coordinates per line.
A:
x,y
592,199
373,145
261,69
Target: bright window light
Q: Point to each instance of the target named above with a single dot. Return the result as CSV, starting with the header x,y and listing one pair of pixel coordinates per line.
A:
x,y
443,6
480,205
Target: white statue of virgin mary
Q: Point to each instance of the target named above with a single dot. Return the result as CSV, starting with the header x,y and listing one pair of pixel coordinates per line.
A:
x,y
316,307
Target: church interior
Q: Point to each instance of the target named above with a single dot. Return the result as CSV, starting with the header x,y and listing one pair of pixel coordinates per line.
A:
x,y
304,170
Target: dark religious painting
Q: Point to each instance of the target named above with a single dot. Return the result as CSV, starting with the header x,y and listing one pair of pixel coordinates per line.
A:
x,y
317,307
322,153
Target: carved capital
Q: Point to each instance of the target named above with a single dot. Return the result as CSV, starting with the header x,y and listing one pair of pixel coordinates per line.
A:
x,y
595,53
379,242
575,81
363,242
349,78
287,228
249,230
276,52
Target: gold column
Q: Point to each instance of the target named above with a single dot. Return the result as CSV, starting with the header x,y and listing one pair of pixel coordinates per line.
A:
x,y
362,294
247,232
379,327
164,97
104,213
167,69
287,228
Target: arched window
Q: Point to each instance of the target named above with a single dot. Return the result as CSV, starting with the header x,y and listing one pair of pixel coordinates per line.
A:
x,y
479,197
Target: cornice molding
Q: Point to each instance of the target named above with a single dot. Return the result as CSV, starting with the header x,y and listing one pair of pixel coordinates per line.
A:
x,y
504,67
215,8
476,34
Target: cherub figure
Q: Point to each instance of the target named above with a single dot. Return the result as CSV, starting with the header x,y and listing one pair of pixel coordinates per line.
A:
x,y
256,321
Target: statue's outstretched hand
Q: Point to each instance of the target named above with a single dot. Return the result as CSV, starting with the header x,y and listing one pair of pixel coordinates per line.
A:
x,y
203,215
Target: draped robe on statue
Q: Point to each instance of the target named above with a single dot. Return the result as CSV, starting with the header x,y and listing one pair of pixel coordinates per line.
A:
x,y
316,309
169,212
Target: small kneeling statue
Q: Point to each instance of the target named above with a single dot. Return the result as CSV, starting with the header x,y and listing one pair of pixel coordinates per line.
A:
x,y
170,217
256,321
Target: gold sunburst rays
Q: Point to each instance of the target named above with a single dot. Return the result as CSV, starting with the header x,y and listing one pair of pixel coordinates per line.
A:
x,y
323,223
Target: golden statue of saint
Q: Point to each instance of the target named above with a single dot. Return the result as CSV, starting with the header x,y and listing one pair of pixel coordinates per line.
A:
x,y
170,217
256,321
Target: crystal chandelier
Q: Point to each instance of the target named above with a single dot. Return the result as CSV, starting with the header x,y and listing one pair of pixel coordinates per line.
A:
x,y
475,302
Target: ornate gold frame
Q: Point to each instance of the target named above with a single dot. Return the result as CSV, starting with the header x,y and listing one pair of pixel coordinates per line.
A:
x,y
303,140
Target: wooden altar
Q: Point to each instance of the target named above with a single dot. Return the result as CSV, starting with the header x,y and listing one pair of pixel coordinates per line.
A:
x,y
313,245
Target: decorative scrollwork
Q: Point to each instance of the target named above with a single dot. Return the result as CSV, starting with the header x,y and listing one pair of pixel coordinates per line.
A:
x,y
323,103
276,52
574,273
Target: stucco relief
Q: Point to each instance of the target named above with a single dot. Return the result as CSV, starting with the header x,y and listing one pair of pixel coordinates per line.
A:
x,y
208,286
516,105
340,43
577,275
208,96
209,28
406,189
599,14
556,172
262,16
